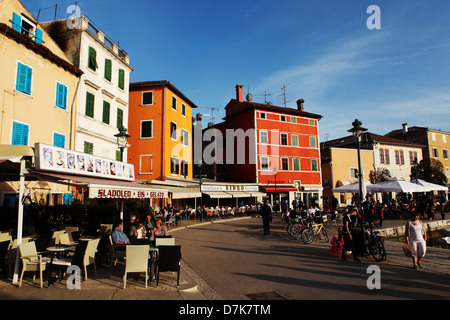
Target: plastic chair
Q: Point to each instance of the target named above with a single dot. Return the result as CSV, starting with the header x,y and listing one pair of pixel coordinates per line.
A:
x,y
164,242
115,251
89,257
56,235
106,228
64,239
76,260
31,261
136,261
168,261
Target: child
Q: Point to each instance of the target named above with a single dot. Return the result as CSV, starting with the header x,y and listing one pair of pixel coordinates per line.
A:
x,y
337,243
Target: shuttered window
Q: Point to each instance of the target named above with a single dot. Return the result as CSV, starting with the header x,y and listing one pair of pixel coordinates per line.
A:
x,y
92,59
119,118
121,79
90,99
59,140
61,96
24,78
106,112
20,134
108,69
88,147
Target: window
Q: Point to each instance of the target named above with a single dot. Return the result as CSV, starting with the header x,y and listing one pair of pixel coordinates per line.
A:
x,y
283,118
24,77
20,134
59,140
293,119
353,173
184,137
445,153
145,164
90,100
88,147
174,165
435,153
382,156
402,157
397,157
262,115
284,139
23,25
173,131
174,103
294,138
264,163
184,168
285,164
147,98
312,122
106,112
61,96
122,79
314,165
147,129
296,163
387,159
433,136
444,138
119,118
312,142
92,59
263,137
108,69
412,157
183,109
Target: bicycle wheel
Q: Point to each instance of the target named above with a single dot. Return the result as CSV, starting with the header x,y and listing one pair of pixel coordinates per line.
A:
x,y
325,235
296,231
307,235
376,249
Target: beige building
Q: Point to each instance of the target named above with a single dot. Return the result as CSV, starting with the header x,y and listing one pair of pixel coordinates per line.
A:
x,y
38,92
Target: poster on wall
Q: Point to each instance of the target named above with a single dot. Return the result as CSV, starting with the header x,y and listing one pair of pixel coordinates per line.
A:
x,y
51,158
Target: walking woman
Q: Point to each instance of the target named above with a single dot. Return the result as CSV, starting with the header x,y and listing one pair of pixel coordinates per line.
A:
x,y
416,238
349,242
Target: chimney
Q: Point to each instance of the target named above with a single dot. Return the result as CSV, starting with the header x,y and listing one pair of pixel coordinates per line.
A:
x,y
405,127
301,105
239,93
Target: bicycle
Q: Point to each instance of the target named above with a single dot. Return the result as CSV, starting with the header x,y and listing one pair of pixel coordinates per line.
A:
x,y
296,226
375,245
316,230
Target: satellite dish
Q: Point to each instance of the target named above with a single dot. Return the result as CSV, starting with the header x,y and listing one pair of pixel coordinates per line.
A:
x,y
270,103
249,97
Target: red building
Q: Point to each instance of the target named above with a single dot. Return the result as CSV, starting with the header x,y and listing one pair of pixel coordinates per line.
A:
x,y
275,147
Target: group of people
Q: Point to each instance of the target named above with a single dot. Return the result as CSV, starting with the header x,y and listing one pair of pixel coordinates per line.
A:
x,y
126,231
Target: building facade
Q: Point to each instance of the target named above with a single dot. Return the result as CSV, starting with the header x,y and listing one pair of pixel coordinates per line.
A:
x,y
161,143
103,89
39,91
274,147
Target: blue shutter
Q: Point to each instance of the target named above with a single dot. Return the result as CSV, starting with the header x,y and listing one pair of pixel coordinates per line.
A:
x,y
61,95
20,134
59,140
24,75
17,22
38,36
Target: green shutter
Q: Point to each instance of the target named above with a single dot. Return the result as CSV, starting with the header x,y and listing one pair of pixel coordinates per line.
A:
x,y
106,111
121,79
108,69
90,99
88,147
92,60
119,118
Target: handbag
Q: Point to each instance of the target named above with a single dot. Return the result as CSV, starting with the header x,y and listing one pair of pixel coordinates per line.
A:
x,y
407,250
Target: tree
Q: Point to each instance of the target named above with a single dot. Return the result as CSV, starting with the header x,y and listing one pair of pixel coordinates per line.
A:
x,y
379,175
430,170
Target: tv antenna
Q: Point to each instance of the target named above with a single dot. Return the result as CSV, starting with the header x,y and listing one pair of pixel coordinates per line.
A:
x,y
211,113
284,93
265,95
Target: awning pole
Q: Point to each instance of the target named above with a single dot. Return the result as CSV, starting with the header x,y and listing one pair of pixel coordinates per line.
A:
x,y
121,208
19,219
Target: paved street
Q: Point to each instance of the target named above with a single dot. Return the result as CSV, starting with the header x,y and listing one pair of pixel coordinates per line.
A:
x,y
236,261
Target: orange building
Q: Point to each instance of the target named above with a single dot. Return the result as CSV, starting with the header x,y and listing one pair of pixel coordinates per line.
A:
x,y
160,125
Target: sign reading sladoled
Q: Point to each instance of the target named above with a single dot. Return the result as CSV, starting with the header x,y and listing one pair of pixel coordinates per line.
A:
x,y
51,158
106,192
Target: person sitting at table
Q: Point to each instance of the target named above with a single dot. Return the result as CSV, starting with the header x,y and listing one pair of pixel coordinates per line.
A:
x,y
159,230
118,236
129,227
149,225
141,232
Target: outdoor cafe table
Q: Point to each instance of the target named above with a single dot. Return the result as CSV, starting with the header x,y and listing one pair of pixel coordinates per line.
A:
x,y
56,250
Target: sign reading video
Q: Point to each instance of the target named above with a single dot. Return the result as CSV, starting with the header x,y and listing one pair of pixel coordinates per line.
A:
x,y
51,158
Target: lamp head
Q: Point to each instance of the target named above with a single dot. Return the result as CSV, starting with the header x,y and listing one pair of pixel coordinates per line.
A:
x,y
122,137
357,128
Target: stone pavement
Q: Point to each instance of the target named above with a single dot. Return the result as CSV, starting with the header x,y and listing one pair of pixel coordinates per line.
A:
x,y
108,285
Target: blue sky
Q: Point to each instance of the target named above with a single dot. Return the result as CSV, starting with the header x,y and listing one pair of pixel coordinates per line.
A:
x,y
322,49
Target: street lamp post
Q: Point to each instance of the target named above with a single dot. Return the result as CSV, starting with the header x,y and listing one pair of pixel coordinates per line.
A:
x,y
275,172
357,130
200,166
122,140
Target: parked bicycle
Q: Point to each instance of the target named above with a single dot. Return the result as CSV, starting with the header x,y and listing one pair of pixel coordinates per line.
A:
x,y
375,245
315,231
296,226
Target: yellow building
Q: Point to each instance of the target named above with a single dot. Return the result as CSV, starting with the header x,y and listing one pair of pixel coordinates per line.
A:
x,y
38,90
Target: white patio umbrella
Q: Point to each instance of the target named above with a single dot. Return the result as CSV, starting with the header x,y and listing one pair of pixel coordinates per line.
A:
x,y
397,185
351,188
431,186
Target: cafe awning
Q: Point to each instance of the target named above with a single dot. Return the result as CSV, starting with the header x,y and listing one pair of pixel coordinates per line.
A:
x,y
105,188
218,194
183,193
280,189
